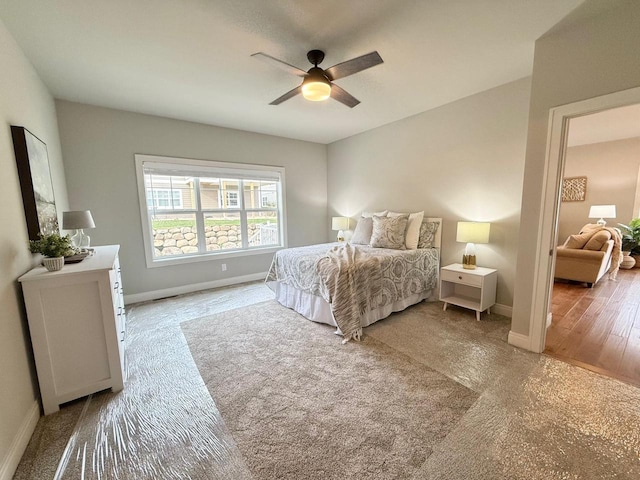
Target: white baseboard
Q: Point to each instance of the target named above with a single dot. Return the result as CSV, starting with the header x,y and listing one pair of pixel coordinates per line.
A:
x,y
519,340
502,309
549,319
194,287
20,442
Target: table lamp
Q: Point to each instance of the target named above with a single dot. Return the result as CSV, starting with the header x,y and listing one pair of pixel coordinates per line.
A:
x,y
602,212
340,224
472,233
78,221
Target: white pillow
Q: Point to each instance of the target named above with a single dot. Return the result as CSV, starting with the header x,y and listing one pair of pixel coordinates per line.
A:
x,y
362,232
377,214
412,234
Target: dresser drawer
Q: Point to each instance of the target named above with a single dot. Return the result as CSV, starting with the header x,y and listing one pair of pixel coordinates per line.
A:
x,y
461,277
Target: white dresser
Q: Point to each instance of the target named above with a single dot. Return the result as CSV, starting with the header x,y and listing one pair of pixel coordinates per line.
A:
x,y
77,324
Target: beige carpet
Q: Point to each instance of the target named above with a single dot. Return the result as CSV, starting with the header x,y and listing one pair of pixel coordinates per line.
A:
x,y
300,405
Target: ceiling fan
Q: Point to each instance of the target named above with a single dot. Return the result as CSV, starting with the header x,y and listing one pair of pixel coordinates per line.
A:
x,y
317,83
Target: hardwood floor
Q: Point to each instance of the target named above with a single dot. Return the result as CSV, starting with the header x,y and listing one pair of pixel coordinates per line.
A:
x,y
598,328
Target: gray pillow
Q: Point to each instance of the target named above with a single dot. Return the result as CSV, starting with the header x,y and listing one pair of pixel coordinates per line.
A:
x,y
428,231
389,232
362,233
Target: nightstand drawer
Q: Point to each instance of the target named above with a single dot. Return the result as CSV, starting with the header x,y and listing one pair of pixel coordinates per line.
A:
x,y
461,277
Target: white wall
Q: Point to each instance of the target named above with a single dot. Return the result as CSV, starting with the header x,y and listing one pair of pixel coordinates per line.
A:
x,y
586,58
25,101
461,161
99,146
611,169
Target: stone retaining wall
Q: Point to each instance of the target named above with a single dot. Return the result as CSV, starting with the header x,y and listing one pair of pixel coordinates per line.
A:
x,y
180,240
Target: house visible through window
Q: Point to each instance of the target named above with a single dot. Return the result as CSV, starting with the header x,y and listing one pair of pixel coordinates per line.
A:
x,y
232,199
268,199
195,209
160,198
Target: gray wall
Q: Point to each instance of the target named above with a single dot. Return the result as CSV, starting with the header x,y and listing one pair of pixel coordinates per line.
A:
x,y
24,101
611,169
586,58
462,161
99,146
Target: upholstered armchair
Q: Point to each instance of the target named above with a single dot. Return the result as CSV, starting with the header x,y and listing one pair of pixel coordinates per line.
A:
x,y
585,257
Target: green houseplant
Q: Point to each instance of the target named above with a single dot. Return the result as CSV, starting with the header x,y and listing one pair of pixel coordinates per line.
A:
x,y
631,244
631,236
54,247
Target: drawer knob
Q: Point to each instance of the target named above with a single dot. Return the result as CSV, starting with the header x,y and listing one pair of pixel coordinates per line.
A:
x,y
459,277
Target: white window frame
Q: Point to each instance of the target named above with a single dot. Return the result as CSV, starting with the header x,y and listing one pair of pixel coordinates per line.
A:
x,y
212,169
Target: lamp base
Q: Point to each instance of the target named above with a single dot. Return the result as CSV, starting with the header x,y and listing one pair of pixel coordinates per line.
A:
x,y
81,239
469,262
340,236
602,222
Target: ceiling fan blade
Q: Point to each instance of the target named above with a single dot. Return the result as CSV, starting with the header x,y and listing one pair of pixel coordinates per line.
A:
x,y
287,96
341,95
280,64
354,65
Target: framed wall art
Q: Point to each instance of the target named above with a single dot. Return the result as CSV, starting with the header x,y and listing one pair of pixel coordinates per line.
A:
x,y
35,182
574,189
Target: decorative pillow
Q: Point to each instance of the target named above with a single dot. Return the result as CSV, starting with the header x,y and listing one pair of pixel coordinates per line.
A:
x,y
383,213
362,233
428,231
577,241
413,229
389,232
598,240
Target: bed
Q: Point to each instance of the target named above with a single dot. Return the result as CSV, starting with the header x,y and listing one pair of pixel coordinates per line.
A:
x,y
352,286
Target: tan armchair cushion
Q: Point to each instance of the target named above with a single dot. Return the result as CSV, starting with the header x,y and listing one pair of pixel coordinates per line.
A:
x,y
598,240
577,240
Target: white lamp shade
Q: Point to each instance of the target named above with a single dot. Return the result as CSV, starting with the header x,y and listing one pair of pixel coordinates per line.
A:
x,y
339,223
473,232
76,220
602,211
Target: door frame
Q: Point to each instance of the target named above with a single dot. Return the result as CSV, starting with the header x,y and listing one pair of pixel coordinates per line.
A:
x,y
559,118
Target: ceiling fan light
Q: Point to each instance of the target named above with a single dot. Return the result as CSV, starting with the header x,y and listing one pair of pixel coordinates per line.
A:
x,y
316,90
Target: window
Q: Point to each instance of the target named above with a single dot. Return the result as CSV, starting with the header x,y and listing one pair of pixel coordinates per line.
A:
x,y
164,198
268,199
195,210
232,200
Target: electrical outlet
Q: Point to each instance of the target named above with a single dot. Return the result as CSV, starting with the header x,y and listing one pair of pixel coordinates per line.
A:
x,y
224,267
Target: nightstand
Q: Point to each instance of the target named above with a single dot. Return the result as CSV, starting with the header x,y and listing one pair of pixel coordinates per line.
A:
x,y
474,289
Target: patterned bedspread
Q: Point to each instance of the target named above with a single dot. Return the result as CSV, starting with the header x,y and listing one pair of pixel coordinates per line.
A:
x,y
374,277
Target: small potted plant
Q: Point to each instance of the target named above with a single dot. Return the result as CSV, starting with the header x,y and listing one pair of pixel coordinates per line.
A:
x,y
54,248
631,239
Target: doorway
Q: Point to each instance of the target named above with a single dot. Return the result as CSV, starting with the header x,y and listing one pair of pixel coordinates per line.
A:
x,y
597,328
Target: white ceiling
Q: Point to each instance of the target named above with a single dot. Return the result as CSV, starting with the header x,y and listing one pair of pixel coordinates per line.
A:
x,y
190,59
607,126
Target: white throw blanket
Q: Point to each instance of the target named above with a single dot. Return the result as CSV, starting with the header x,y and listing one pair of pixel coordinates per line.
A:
x,y
351,276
